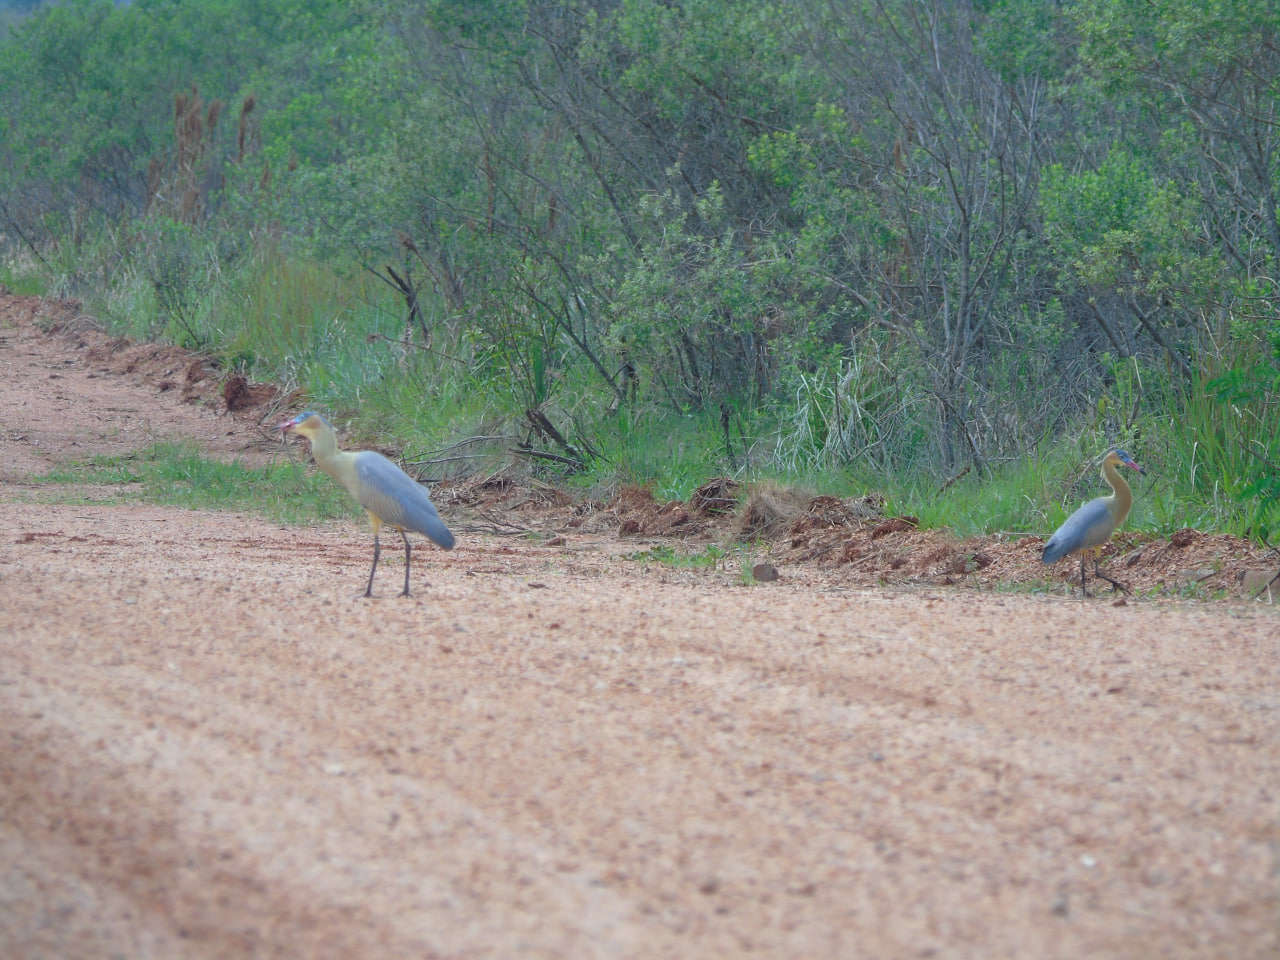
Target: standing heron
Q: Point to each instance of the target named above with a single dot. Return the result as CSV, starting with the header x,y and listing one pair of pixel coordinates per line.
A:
x,y
1090,527
387,493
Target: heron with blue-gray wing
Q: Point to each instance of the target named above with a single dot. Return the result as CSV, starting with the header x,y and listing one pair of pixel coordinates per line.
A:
x,y
389,495
1090,527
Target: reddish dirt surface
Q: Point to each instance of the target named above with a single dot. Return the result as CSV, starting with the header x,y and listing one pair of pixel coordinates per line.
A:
x,y
213,746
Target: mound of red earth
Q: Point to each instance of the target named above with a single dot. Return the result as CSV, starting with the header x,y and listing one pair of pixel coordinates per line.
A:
x,y
853,537
163,366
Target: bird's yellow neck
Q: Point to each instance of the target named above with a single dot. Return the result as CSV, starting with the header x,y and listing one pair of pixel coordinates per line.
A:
x,y
1122,498
324,446
334,462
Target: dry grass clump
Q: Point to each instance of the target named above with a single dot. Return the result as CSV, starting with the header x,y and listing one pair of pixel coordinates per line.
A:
x,y
717,495
769,511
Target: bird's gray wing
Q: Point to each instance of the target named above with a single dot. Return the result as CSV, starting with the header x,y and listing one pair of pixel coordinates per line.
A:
x,y
397,499
1090,526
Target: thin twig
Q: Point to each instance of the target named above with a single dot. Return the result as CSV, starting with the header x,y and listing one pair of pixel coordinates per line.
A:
x,y
498,522
946,486
409,343
543,455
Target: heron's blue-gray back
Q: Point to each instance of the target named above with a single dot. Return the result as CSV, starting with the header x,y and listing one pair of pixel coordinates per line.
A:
x,y
1090,526
397,499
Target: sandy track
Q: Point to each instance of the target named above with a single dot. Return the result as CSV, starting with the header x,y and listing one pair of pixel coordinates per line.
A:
x,y
212,746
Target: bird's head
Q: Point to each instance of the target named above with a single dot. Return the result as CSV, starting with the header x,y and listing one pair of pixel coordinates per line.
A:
x,y
1117,457
307,424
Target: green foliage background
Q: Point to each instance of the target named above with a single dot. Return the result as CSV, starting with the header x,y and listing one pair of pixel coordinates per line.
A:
x,y
848,243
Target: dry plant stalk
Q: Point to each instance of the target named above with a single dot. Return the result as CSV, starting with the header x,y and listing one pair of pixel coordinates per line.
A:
x,y
242,134
189,130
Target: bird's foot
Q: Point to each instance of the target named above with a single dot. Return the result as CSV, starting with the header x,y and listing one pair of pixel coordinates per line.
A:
x,y
1115,584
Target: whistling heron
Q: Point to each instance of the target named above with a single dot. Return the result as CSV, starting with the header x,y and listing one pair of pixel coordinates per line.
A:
x,y
1090,527
387,493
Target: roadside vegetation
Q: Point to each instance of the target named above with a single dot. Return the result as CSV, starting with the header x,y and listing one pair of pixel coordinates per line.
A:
x,y
180,475
949,252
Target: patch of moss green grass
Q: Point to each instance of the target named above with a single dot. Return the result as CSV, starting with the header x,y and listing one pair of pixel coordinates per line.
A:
x,y
708,557
175,474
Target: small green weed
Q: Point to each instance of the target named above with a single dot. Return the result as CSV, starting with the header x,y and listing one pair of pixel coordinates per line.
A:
x,y
710,557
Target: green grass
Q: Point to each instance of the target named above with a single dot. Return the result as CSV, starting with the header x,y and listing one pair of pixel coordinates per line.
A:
x,y
1019,498
1210,447
709,557
673,453
23,284
1187,484
179,475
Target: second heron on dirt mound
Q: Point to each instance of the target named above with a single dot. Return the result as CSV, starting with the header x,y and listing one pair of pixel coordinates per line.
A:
x,y
388,494
1091,526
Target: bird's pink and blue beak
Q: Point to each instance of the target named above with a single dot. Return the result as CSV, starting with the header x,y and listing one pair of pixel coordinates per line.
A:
x,y
290,424
1128,461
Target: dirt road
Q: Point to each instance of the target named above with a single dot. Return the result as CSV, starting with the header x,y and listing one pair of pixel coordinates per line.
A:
x,y
214,747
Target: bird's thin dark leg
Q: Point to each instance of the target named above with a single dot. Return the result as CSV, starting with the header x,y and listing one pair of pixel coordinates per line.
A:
x,y
377,549
407,551
1084,591
1115,584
